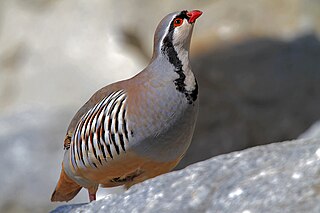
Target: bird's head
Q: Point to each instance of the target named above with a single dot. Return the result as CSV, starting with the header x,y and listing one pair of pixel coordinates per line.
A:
x,y
174,31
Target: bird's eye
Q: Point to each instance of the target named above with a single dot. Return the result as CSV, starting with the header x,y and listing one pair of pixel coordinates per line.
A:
x,y
177,22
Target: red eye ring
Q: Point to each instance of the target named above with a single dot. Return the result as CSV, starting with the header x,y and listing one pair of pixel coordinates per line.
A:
x,y
177,22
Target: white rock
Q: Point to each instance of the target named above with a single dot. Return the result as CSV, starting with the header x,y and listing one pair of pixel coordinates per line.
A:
x,y
31,151
281,177
312,132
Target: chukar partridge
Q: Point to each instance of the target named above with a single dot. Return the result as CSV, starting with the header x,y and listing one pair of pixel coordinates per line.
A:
x,y
138,128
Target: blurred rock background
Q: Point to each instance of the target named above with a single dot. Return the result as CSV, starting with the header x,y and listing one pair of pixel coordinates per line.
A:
x,y
257,64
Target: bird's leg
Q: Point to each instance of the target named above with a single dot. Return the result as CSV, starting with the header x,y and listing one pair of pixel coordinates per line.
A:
x,y
92,193
92,196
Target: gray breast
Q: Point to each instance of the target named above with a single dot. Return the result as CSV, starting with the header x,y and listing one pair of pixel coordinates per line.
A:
x,y
168,125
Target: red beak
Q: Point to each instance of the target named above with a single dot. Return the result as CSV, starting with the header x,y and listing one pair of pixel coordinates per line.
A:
x,y
193,15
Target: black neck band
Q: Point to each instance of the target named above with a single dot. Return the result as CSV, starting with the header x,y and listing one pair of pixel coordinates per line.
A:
x,y
168,50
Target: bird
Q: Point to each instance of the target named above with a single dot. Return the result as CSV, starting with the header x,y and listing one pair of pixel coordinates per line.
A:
x,y
138,128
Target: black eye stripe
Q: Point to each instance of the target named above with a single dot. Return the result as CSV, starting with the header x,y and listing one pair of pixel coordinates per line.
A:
x,y
182,15
167,41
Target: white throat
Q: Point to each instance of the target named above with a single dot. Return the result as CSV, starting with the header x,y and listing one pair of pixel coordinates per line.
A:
x,y
183,55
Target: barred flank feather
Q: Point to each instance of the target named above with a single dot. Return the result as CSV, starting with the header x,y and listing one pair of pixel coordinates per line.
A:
x,y
99,133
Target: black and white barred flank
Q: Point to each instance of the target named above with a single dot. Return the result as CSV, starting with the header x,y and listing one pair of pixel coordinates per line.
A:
x,y
101,133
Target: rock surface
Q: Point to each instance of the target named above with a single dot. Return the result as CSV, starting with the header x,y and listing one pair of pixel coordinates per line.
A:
x,y
255,92
280,177
312,132
31,151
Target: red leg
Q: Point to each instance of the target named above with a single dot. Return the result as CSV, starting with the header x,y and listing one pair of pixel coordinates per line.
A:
x,y
92,196
92,193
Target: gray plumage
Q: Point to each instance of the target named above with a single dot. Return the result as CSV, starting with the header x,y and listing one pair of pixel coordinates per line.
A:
x,y
138,128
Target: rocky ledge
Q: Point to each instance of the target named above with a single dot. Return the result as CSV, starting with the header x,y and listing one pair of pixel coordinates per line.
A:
x,y
280,177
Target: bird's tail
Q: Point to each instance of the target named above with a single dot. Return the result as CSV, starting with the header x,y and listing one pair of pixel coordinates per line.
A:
x,y
66,188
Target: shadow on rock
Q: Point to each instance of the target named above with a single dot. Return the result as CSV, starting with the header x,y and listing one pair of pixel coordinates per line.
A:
x,y
255,93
